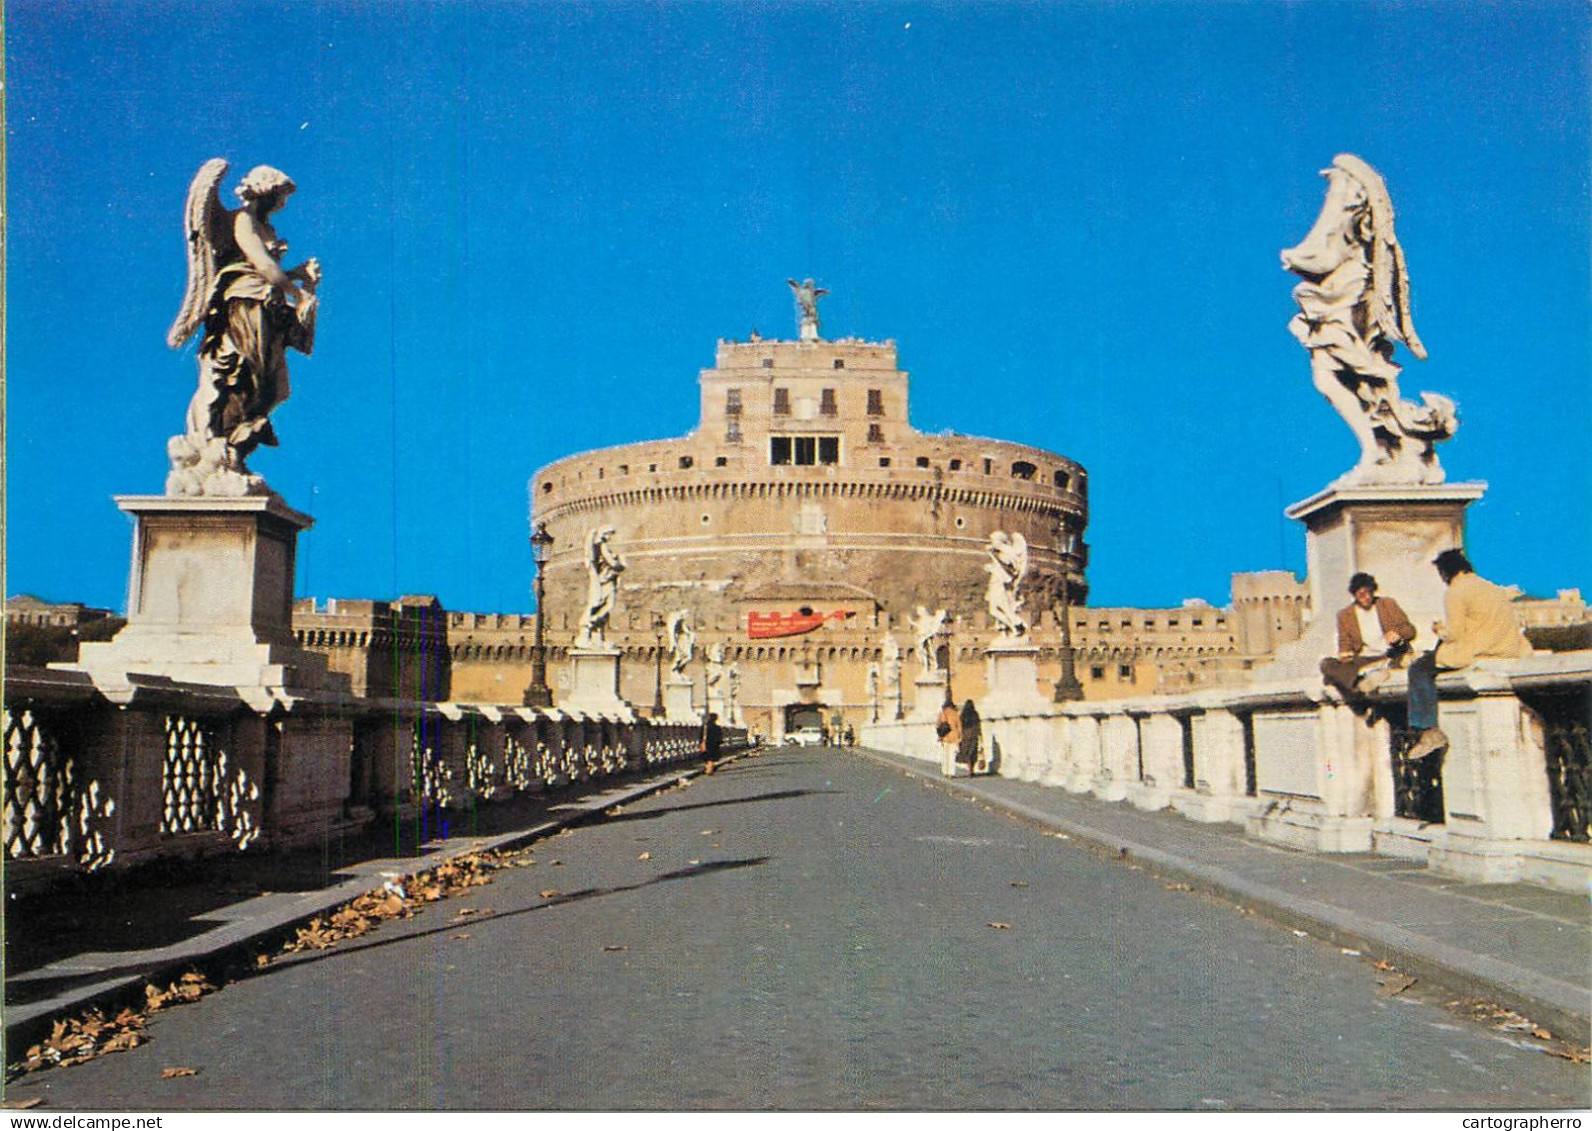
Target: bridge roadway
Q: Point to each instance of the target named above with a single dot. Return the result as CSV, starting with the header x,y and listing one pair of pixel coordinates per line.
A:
x,y
808,929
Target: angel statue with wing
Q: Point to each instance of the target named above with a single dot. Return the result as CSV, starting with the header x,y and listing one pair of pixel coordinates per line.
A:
x,y
1007,566
248,311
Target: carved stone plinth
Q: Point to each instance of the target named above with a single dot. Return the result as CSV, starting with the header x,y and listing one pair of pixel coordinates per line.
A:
x,y
930,697
594,682
210,596
1011,680
1391,532
677,704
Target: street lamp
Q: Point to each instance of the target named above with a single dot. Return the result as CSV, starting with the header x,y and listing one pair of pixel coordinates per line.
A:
x,y
945,634
1068,688
538,694
657,687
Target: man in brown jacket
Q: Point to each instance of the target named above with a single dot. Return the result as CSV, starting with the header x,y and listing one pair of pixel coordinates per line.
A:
x,y
1478,622
1371,631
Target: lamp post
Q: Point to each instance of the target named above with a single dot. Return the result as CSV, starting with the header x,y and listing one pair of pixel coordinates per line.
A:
x,y
657,686
945,634
538,694
1068,688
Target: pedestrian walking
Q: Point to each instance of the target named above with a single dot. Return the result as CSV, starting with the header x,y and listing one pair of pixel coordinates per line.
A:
x,y
948,726
712,742
969,747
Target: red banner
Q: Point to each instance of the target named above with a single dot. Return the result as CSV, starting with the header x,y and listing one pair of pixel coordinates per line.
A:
x,y
761,626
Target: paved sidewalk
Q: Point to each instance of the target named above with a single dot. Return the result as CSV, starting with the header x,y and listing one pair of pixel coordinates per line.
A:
x,y
1525,947
170,916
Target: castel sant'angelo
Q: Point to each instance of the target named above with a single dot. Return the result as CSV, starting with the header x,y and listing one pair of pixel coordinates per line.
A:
x,y
798,536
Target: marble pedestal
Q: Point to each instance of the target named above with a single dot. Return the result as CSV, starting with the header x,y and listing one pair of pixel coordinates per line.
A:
x,y
594,682
677,704
1390,532
1011,681
210,597
930,697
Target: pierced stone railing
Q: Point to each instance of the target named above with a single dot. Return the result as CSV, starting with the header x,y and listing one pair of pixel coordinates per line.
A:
x,y
1509,800
98,776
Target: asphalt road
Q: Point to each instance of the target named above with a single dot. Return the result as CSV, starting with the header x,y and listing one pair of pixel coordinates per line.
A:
x,y
811,930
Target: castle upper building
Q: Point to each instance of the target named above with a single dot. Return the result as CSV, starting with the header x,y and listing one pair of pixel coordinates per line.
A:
x,y
805,484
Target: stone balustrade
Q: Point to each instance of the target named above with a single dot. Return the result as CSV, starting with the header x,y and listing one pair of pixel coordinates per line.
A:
x,y
1508,801
100,775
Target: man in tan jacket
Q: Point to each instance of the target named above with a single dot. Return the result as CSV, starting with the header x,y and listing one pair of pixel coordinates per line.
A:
x,y
1372,632
1478,623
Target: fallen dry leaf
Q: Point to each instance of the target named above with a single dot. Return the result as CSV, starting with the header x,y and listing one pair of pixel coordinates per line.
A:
x,y
462,935
551,893
1001,926
1179,887
1542,1034
173,1073
613,948
18,1105
645,856
1393,985
1017,884
1577,1056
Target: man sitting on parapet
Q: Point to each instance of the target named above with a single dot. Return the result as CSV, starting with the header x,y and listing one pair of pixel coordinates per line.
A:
x,y
1373,634
1478,623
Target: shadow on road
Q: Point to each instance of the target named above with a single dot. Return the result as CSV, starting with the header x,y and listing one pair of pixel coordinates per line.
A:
x,y
647,815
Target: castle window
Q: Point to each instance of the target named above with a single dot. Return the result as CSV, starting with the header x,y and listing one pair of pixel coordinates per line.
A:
x,y
779,450
1022,469
803,451
827,405
1124,671
956,465
1061,480
875,402
721,461
652,467
732,432
781,402
884,461
829,449
875,434
624,469
989,466
1171,622
685,462
923,461
840,363
547,485
1097,673
768,363
732,402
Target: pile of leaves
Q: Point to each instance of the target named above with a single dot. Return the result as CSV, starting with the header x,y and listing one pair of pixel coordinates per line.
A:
x,y
75,1040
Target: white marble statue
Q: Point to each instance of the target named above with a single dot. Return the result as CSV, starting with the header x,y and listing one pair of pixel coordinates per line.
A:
x,y
732,693
1354,308
1007,566
807,296
926,628
890,666
603,567
713,668
248,311
682,640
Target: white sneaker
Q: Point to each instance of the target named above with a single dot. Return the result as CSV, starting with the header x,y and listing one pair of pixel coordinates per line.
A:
x,y
1431,741
1371,680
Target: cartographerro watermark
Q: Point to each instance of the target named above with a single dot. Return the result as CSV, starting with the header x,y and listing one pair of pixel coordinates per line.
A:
x,y
1520,1123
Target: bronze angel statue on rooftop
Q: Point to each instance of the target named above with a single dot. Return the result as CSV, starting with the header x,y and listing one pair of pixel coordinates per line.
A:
x,y
248,311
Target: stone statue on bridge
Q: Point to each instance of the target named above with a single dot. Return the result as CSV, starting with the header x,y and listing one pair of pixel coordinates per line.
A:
x,y
1007,566
248,311
603,567
682,641
807,295
1354,308
926,628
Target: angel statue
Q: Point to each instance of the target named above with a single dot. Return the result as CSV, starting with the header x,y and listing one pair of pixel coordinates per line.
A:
x,y
1354,307
714,667
248,311
926,627
682,641
603,567
807,296
890,665
1007,566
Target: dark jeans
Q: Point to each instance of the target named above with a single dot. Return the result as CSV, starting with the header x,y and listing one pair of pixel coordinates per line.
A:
x,y
1423,692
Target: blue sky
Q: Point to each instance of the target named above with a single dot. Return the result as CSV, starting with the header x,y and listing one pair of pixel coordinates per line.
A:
x,y
536,219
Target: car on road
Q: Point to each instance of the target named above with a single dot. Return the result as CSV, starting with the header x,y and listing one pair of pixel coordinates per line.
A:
x,y
806,736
